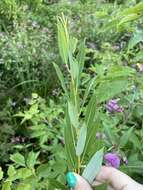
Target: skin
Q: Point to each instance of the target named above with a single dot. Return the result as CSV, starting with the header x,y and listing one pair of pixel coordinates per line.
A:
x,y
116,179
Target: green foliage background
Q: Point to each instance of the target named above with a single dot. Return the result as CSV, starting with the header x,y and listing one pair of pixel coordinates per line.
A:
x,y
32,121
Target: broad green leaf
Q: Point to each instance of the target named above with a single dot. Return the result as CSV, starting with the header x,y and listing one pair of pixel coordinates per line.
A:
x,y
24,173
73,114
18,159
57,184
31,159
63,38
7,185
134,167
11,171
136,141
61,77
125,138
81,140
22,186
139,56
93,167
1,173
109,134
120,71
135,39
108,89
43,170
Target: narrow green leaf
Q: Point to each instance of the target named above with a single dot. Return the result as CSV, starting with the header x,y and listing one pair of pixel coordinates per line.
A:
x,y
61,77
73,114
91,122
87,91
81,56
93,167
69,136
63,38
108,133
81,140
74,67
18,159
73,44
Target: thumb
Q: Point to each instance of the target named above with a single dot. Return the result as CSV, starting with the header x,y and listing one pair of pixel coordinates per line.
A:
x,y
76,182
117,179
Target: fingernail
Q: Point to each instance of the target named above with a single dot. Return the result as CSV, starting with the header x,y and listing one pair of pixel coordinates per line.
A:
x,y
71,180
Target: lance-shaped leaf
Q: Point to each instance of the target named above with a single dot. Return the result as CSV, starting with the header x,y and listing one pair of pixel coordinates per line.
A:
x,y
61,77
73,44
81,140
69,137
74,66
81,56
63,38
73,114
93,167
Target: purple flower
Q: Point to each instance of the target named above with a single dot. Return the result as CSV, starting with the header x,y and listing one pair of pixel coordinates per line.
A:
x,y
112,106
112,159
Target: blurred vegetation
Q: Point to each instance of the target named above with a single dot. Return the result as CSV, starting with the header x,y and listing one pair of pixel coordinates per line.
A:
x,y
30,89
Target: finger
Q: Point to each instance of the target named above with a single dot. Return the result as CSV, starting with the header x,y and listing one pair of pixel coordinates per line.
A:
x,y
76,182
82,184
117,179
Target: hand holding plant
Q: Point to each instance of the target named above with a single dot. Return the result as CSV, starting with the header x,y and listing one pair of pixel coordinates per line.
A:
x,y
111,176
79,132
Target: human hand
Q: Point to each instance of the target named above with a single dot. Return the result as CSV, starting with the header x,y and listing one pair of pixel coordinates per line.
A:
x,y
110,175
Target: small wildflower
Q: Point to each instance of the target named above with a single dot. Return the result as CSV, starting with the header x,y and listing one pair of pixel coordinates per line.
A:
x,y
125,160
112,159
18,139
112,106
140,67
100,135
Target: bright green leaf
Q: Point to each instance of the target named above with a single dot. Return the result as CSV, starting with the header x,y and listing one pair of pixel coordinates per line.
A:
x,y
81,140
18,159
93,167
